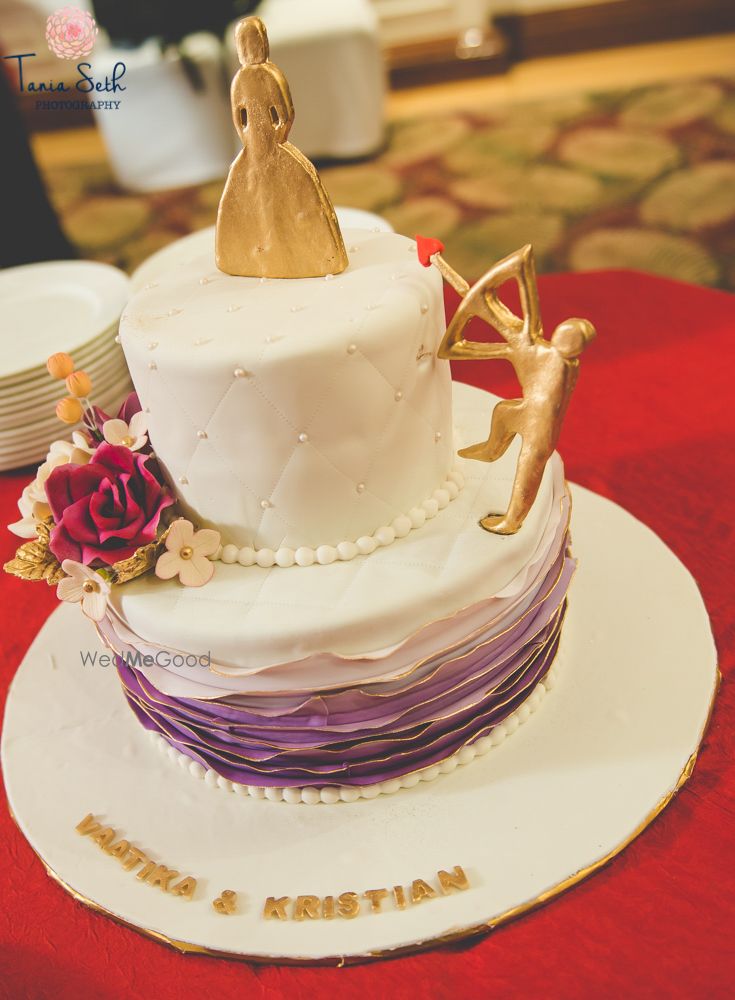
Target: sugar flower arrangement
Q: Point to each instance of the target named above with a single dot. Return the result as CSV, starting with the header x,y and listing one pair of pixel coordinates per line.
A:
x,y
99,512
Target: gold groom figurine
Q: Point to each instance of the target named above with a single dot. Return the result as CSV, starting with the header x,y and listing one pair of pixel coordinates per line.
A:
x,y
275,219
547,371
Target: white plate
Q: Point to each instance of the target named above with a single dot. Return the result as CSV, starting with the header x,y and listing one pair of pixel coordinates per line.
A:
x,y
55,306
189,247
39,378
36,405
16,453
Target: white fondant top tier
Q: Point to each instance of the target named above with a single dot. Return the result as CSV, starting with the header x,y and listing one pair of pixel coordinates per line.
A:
x,y
296,412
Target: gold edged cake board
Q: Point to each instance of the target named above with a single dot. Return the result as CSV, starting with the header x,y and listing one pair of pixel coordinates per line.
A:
x,y
605,752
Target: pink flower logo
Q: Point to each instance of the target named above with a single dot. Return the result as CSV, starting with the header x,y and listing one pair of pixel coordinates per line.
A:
x,y
71,33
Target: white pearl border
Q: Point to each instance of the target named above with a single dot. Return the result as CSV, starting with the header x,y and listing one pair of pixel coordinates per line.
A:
x,y
351,793
345,551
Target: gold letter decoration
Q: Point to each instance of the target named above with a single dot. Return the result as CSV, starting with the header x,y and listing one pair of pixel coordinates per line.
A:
x,y
546,369
275,219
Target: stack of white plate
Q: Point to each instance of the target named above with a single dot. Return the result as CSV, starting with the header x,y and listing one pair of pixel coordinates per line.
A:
x,y
71,306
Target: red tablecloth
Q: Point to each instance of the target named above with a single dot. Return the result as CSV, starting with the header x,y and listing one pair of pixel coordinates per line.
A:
x,y
651,426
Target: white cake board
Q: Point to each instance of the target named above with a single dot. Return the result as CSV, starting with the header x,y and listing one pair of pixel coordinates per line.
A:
x,y
606,751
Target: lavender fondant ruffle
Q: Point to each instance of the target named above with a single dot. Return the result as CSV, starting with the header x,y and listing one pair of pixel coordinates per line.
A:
x,y
363,734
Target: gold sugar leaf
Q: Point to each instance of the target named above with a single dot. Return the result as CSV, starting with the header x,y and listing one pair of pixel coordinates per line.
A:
x,y
34,561
141,561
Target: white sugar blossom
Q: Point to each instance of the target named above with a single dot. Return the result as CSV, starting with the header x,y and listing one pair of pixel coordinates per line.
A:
x,y
132,435
187,554
33,505
82,584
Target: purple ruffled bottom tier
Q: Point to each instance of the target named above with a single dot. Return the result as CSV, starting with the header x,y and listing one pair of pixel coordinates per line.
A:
x,y
368,733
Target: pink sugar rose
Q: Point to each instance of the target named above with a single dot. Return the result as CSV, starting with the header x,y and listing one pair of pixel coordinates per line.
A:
x,y
105,510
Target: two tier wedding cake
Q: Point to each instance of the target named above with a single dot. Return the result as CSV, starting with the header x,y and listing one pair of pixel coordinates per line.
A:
x,y
277,535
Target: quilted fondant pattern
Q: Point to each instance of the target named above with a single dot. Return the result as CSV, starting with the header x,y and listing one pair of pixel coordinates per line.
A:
x,y
297,412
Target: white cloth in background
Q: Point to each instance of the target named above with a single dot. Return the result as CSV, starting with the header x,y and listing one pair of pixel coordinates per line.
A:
x,y
330,54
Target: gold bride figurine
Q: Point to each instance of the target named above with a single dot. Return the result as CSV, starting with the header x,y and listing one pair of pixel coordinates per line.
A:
x,y
275,219
547,371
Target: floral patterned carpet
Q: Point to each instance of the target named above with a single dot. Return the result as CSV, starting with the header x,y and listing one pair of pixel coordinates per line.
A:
x,y
640,178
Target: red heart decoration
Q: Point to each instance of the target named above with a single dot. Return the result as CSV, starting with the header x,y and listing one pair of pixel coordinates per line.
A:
x,y
426,247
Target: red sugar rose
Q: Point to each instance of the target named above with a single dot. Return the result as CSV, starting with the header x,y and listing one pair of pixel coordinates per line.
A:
x,y
105,510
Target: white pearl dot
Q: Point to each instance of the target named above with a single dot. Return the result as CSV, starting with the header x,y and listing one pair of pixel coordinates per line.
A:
x,y
402,526
285,557
326,554
385,535
442,498
265,504
418,517
310,795
347,551
265,558
117,338
352,348
366,545
204,281
263,281
201,435
304,556
239,373
246,556
153,345
452,489
360,487
349,794
303,437
233,308
230,554
328,277
183,480
398,396
431,507
370,791
152,366
292,795
438,436
497,735
424,308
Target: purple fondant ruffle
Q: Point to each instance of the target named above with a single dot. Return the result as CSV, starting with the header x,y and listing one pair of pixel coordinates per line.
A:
x,y
364,734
